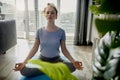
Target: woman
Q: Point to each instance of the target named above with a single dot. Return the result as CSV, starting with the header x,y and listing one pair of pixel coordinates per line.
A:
x,y
50,38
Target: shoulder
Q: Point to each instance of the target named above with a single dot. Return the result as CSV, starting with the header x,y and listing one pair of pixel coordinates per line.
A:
x,y
61,30
39,30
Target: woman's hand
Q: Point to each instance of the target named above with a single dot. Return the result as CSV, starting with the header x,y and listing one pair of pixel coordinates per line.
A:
x,y
19,66
77,65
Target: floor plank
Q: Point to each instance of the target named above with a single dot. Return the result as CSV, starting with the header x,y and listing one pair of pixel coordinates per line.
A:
x,y
20,51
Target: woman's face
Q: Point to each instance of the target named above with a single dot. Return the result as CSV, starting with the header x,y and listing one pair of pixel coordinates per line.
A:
x,y
50,13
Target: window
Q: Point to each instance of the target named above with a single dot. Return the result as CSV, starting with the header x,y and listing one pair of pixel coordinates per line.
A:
x,y
32,19
20,18
7,9
67,18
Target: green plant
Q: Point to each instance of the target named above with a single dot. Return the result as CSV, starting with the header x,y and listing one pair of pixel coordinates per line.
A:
x,y
103,25
105,7
106,59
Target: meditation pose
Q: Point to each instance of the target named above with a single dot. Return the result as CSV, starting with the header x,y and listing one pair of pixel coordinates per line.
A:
x,y
50,38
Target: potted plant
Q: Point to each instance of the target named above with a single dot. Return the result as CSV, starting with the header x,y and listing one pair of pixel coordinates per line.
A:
x,y
108,15
106,56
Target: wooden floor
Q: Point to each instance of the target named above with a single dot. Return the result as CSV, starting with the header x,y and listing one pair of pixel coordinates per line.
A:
x,y
19,52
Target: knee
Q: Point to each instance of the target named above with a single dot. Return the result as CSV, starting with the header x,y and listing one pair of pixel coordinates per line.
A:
x,y
24,72
70,66
29,72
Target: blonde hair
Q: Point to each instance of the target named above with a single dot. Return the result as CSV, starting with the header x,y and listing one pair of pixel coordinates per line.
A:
x,y
51,5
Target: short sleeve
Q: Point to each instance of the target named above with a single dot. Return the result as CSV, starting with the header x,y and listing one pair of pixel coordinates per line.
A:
x,y
38,33
63,37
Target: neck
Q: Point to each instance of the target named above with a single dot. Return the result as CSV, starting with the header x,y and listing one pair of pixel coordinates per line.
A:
x,y
50,26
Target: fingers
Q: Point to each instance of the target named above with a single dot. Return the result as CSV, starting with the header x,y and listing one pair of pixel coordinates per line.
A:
x,y
80,68
18,66
78,65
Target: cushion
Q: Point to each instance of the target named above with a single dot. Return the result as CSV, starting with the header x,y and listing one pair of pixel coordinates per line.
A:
x,y
41,77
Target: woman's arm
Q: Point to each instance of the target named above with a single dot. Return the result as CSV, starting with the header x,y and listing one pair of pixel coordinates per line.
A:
x,y
19,66
33,50
65,51
77,64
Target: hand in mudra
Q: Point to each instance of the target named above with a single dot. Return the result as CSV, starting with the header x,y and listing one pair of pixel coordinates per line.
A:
x,y
78,65
19,66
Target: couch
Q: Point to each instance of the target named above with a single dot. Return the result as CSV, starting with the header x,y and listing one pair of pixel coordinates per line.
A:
x,y
8,37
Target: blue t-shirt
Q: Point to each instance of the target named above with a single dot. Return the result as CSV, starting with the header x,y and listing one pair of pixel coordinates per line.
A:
x,y
50,41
